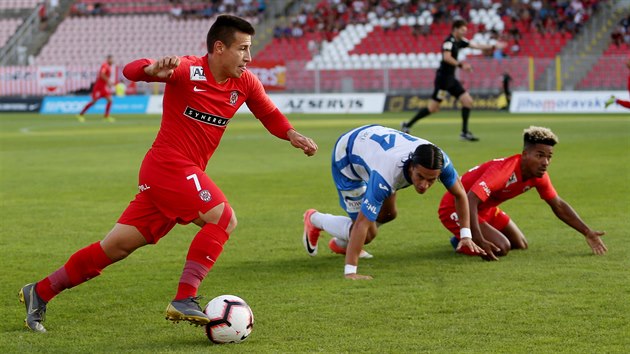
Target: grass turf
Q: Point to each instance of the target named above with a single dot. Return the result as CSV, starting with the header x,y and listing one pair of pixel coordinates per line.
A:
x,y
63,185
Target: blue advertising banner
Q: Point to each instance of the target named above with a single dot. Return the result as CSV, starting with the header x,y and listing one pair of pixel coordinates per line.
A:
x,y
74,104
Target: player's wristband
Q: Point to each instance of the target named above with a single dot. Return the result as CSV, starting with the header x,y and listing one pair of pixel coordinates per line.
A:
x,y
349,269
464,232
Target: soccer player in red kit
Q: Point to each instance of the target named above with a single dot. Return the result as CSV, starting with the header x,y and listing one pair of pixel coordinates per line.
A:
x,y
613,99
202,95
493,182
101,90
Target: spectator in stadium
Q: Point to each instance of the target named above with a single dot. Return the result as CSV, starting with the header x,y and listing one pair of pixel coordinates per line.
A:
x,y
446,82
493,182
506,80
202,95
613,99
369,164
101,89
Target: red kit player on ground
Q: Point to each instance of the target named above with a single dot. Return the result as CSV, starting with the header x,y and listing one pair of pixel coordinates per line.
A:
x,y
493,182
101,90
613,99
202,94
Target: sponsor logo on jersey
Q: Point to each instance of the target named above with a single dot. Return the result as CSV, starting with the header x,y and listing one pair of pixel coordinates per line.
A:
x,y
485,188
233,97
197,74
196,89
383,187
369,207
206,117
205,195
143,187
353,205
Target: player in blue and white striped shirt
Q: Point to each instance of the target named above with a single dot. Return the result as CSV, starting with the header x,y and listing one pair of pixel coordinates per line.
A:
x,y
369,165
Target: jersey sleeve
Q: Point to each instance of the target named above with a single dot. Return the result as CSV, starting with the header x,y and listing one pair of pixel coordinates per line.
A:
x,y
493,179
448,175
465,43
377,191
257,99
447,46
134,71
545,189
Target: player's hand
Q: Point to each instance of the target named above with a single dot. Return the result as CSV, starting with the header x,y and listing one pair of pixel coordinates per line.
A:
x,y
489,249
302,142
468,242
593,238
500,44
466,67
355,276
163,68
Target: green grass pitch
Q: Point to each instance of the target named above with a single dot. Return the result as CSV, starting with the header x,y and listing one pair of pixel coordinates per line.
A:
x,y
63,184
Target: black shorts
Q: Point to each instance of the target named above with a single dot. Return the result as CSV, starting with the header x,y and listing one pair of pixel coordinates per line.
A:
x,y
446,84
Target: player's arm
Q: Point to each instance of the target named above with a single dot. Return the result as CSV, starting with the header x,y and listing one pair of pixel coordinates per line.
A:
x,y
151,70
473,204
480,46
358,233
447,56
566,213
277,124
103,75
463,212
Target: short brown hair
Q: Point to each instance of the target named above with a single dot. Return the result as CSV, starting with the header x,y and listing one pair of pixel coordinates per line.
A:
x,y
223,30
460,22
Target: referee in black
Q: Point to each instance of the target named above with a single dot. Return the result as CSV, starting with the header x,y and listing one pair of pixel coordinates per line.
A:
x,y
445,80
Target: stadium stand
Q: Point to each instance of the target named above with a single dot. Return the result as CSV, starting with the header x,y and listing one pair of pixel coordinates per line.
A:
x,y
610,62
406,36
7,28
18,4
348,45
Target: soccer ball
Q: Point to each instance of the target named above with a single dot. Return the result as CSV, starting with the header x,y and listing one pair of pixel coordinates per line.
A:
x,y
231,319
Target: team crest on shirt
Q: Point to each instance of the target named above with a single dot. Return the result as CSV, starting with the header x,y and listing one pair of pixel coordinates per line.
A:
x,y
511,180
197,73
205,195
233,97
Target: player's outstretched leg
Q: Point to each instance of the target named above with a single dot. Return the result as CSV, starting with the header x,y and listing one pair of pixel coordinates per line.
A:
x,y
311,234
35,308
339,247
187,309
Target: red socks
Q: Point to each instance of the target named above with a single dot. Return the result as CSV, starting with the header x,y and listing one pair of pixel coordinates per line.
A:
x,y
83,265
623,103
202,254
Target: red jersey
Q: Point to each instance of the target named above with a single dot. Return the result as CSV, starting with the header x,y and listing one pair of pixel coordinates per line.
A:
x,y
101,83
499,180
197,109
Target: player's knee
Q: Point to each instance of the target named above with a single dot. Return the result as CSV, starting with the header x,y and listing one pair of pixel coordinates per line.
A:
x,y
504,248
387,217
232,223
371,235
519,244
222,215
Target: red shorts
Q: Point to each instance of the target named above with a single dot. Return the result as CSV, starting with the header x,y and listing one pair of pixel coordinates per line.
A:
x,y
100,92
170,193
493,216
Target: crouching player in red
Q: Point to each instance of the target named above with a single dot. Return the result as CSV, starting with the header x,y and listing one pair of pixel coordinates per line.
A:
x,y
496,181
202,95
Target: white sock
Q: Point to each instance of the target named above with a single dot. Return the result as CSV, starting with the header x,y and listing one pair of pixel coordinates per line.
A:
x,y
340,243
337,226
